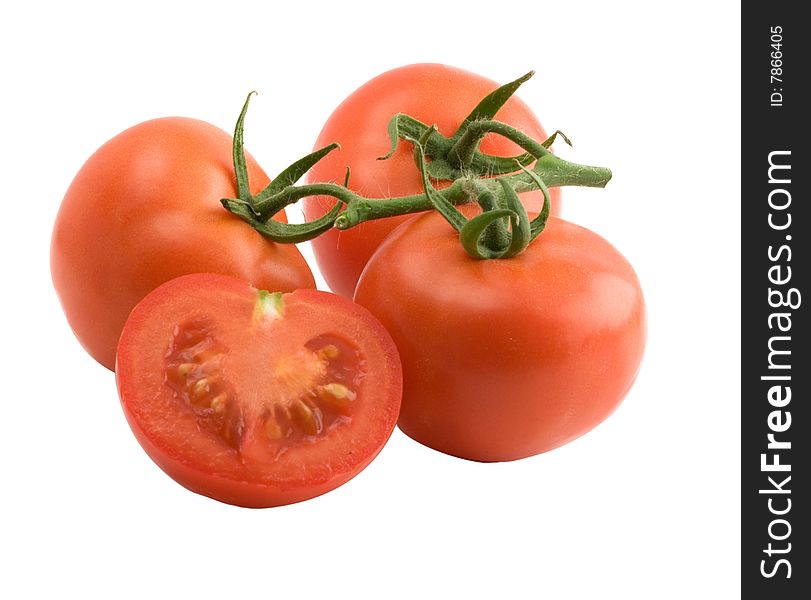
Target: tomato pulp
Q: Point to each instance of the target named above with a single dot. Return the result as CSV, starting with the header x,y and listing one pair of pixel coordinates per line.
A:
x,y
504,359
432,93
145,208
252,398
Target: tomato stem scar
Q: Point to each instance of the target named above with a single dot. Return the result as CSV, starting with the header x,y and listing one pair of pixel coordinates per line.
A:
x,y
268,306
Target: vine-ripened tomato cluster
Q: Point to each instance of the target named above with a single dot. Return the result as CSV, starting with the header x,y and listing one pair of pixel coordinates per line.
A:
x,y
466,310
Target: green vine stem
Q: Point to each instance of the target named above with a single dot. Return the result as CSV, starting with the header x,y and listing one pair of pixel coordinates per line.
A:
x,y
551,169
502,230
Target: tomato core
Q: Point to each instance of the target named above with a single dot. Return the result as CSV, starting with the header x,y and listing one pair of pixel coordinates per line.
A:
x,y
302,393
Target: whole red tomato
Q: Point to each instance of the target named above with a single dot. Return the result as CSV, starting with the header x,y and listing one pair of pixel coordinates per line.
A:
x,y
144,209
432,93
504,359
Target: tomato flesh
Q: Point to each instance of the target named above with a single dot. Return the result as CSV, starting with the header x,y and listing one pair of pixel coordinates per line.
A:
x,y
256,402
308,392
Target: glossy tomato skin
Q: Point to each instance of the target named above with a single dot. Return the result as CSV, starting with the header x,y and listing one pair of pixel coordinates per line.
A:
x,y
432,93
145,208
254,472
505,359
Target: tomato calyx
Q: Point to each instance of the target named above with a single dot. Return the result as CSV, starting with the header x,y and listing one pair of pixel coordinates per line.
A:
x,y
258,211
458,155
503,230
487,235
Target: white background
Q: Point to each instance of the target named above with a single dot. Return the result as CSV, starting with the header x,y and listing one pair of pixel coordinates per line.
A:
x,y
645,506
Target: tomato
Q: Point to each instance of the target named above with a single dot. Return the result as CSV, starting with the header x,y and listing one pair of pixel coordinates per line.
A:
x,y
145,208
504,359
254,398
432,93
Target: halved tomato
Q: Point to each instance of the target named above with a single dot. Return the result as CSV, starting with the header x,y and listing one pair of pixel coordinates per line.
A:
x,y
255,398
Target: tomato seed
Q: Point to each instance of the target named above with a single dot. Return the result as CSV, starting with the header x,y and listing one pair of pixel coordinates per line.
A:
x,y
306,418
200,388
328,352
185,369
338,390
272,428
218,403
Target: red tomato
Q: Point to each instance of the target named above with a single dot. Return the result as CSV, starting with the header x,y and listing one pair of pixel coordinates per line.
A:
x,y
431,93
504,359
252,398
145,208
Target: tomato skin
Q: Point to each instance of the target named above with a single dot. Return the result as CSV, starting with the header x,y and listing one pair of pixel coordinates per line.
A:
x,y
145,208
239,493
170,435
432,93
505,359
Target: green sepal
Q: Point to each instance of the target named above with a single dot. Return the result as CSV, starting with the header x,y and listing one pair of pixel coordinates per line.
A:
x,y
394,136
538,224
284,233
403,126
240,208
293,173
492,102
440,203
238,153
497,237
521,232
471,233
551,139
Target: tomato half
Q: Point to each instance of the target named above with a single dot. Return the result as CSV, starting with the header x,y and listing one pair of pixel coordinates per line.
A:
x,y
432,93
252,398
504,359
145,208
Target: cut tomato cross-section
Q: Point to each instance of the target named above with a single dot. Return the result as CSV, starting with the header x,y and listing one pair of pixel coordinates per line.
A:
x,y
256,398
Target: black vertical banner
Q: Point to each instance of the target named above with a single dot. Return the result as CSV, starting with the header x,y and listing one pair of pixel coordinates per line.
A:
x,y
776,269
